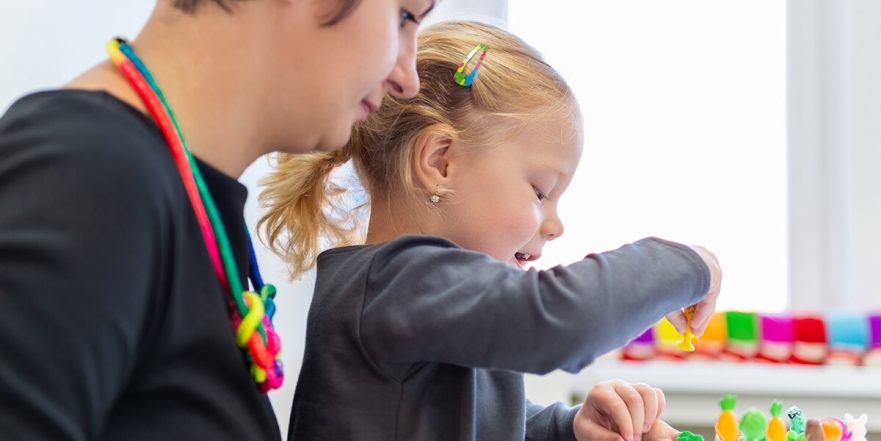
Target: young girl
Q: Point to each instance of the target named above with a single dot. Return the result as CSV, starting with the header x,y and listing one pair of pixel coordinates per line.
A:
x,y
424,332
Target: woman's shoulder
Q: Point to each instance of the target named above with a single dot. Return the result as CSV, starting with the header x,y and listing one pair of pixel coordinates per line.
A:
x,y
56,137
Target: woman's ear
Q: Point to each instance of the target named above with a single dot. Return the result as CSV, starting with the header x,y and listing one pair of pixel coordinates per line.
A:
x,y
431,156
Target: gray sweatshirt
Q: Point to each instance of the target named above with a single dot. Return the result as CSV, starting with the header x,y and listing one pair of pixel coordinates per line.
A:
x,y
419,339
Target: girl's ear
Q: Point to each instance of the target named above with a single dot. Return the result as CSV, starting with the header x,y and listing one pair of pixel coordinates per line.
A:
x,y
431,157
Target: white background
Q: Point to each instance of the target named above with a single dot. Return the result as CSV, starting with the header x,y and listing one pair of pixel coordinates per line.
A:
x,y
685,129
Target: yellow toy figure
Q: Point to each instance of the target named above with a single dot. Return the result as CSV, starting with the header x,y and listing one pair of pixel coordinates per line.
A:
x,y
686,343
726,424
776,427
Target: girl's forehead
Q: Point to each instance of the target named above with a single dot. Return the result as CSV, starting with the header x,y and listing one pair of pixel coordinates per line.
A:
x,y
548,131
549,146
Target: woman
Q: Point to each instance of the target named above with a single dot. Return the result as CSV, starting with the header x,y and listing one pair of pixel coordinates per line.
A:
x,y
114,323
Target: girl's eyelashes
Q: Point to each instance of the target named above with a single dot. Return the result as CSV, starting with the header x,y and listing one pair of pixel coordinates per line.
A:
x,y
538,193
408,16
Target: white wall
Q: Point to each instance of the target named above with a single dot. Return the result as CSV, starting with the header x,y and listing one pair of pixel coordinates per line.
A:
x,y
834,107
45,43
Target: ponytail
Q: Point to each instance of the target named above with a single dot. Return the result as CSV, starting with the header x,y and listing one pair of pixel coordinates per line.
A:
x,y
297,195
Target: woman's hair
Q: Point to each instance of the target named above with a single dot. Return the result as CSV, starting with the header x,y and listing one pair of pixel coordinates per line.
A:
x,y
513,87
340,10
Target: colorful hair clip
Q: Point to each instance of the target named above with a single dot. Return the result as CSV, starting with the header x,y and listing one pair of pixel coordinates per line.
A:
x,y
461,78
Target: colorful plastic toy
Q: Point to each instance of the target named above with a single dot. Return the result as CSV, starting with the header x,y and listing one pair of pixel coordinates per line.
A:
x,y
641,348
873,355
831,429
711,344
776,427
810,340
777,338
813,431
667,339
754,425
726,423
848,337
841,337
856,426
686,343
743,335
688,436
797,420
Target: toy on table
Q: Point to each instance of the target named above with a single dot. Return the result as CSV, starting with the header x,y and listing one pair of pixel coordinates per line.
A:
x,y
688,436
743,335
848,337
810,345
726,423
797,424
667,339
856,426
641,348
831,429
777,338
686,343
776,427
846,434
873,354
711,344
753,425
813,431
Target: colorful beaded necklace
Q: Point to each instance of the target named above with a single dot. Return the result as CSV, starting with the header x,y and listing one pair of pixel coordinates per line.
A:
x,y
251,312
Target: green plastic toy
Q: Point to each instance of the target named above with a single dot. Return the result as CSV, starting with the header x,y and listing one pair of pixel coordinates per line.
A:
x,y
753,425
797,417
688,436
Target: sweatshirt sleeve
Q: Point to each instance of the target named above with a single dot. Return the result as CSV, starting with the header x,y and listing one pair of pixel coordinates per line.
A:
x,y
550,423
427,300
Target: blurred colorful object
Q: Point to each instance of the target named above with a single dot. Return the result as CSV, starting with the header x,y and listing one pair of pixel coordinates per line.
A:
x,y
743,335
641,348
755,426
667,340
837,337
777,338
873,355
848,338
712,343
810,345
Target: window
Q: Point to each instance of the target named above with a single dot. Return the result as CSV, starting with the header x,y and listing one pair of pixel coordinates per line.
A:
x,y
684,107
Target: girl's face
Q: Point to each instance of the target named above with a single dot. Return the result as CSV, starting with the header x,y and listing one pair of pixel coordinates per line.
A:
x,y
342,71
505,198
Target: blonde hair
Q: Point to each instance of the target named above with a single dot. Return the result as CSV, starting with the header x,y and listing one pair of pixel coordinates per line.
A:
x,y
514,86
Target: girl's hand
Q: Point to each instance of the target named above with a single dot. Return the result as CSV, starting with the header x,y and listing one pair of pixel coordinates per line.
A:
x,y
618,411
661,431
705,308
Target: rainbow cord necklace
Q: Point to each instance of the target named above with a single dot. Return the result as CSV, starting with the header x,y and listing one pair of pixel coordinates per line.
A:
x,y
251,312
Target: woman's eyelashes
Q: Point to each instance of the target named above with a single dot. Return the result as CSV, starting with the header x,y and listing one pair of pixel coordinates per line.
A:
x,y
407,16
539,194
